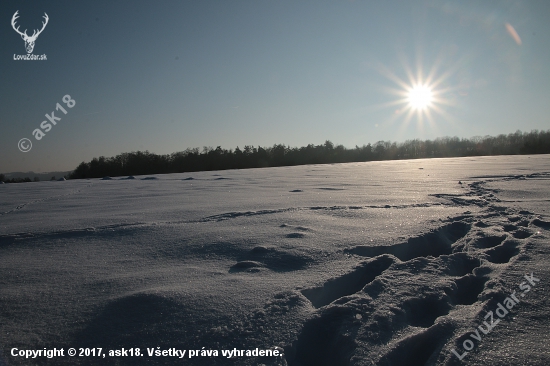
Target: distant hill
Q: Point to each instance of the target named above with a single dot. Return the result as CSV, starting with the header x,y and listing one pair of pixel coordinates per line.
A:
x,y
32,175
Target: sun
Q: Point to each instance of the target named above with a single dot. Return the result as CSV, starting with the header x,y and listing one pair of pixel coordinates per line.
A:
x,y
420,97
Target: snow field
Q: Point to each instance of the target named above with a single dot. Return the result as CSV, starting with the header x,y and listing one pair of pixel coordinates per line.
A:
x,y
349,264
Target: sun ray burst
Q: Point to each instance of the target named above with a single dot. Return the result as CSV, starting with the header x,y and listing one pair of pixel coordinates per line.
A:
x,y
422,99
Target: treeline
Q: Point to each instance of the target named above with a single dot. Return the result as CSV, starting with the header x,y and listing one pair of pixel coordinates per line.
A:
x,y
191,160
20,180
17,180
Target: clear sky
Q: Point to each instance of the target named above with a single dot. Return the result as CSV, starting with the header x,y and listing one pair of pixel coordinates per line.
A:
x,y
167,75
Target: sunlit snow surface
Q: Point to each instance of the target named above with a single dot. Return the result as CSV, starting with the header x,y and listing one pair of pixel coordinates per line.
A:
x,y
385,263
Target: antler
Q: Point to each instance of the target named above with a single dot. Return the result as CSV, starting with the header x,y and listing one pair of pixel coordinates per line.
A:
x,y
24,34
15,16
43,26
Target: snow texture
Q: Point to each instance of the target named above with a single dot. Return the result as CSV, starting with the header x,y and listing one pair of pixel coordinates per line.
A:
x,y
380,263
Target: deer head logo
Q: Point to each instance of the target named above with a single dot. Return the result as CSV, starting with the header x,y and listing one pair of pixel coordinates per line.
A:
x,y
29,41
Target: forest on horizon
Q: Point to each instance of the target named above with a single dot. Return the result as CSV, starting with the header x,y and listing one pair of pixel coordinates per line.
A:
x,y
193,159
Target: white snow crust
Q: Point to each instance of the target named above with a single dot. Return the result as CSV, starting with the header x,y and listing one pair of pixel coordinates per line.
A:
x,y
379,263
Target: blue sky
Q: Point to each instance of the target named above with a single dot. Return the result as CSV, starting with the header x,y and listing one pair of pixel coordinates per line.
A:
x,y
167,75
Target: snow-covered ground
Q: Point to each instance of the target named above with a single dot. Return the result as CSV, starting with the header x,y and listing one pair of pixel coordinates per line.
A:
x,y
379,263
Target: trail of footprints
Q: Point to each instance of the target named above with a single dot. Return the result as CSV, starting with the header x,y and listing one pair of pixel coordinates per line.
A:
x,y
371,305
391,309
459,258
